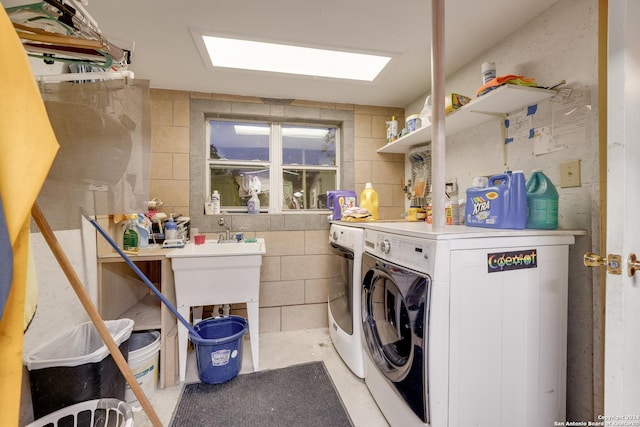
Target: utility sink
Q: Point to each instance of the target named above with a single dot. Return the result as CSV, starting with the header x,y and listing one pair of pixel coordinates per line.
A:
x,y
218,273
215,248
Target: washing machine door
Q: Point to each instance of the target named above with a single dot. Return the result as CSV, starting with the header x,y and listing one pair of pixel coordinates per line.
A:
x,y
392,315
341,289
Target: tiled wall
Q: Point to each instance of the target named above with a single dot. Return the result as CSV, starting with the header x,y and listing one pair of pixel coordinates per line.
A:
x,y
295,271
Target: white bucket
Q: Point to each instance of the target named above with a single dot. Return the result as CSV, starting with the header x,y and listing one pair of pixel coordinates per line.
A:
x,y
144,351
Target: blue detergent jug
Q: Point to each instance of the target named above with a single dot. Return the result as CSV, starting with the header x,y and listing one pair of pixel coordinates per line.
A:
x,y
339,200
503,204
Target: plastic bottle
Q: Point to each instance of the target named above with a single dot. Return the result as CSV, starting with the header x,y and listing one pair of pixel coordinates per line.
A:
x,y
143,228
392,129
130,235
488,72
253,205
425,114
215,200
542,202
369,200
452,205
429,205
170,230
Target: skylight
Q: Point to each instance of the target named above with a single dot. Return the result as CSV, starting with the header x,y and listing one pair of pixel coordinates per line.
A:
x,y
279,58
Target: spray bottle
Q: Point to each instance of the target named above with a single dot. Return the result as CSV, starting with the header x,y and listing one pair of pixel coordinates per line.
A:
x,y
253,205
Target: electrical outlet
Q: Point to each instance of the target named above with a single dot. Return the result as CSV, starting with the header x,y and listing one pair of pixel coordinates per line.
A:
x,y
570,174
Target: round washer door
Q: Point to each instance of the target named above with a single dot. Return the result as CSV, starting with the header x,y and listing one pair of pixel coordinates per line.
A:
x,y
386,321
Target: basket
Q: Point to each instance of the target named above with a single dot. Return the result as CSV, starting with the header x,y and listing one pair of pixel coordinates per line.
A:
x,y
92,413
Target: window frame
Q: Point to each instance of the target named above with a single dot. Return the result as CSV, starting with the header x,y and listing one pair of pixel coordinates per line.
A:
x,y
275,165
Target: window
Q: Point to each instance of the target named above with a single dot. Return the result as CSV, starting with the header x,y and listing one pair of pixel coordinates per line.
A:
x,y
289,166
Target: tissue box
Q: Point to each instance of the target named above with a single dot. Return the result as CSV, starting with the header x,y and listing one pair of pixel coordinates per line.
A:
x,y
453,101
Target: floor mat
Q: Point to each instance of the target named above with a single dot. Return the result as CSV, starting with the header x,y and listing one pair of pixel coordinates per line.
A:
x,y
299,395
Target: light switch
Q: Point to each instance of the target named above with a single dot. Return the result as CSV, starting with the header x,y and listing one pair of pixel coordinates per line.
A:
x,y
570,174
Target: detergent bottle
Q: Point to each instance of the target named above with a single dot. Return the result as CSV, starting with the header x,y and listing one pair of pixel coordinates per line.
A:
x,y
130,235
369,200
542,201
502,204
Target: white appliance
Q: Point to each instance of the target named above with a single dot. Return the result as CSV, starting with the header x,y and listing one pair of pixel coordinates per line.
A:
x,y
494,327
345,329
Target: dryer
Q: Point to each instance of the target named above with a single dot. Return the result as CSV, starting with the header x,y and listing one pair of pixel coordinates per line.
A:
x,y
345,327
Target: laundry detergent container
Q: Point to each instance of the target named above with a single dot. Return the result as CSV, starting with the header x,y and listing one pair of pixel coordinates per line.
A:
x,y
219,348
77,366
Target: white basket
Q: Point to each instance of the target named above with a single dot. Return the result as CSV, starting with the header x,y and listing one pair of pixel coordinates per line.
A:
x,y
98,412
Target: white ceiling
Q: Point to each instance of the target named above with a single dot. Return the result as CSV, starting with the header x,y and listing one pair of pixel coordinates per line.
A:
x,y
165,52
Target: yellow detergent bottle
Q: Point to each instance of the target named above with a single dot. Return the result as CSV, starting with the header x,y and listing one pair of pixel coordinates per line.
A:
x,y
369,200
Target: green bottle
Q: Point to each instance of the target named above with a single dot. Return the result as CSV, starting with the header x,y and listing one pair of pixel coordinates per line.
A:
x,y
130,236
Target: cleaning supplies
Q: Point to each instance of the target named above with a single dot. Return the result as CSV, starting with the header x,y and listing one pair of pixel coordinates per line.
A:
x,y
425,114
542,201
503,204
143,227
130,235
429,205
215,201
452,204
253,205
488,72
339,201
392,129
369,200
170,230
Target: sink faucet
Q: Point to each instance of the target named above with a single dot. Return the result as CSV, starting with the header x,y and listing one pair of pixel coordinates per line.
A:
x,y
227,235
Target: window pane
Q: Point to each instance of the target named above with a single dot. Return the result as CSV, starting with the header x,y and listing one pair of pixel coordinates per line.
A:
x,y
234,184
305,145
239,140
307,189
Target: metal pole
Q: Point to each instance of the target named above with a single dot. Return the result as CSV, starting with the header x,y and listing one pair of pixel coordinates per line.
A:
x,y
437,114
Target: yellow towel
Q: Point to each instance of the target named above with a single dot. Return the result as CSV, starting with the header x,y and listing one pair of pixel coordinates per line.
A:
x,y
28,146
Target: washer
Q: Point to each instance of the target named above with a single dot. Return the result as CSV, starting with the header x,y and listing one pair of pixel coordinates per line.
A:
x,y
396,302
467,326
345,327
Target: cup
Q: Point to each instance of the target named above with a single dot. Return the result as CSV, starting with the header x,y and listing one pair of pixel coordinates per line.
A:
x,y
193,232
199,239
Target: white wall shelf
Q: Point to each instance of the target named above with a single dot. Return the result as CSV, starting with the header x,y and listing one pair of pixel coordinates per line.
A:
x,y
504,100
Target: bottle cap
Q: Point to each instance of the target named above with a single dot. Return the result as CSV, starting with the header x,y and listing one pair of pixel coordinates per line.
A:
x,y
368,185
215,192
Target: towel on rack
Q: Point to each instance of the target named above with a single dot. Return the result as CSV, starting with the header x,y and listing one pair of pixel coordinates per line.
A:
x,y
507,79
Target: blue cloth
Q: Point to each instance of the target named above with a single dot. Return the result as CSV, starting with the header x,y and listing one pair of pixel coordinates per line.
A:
x,y
6,261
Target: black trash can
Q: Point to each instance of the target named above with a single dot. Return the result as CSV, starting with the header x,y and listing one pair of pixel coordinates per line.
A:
x,y
76,367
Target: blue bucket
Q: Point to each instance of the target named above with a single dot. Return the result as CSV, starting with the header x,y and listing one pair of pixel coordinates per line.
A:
x,y
219,348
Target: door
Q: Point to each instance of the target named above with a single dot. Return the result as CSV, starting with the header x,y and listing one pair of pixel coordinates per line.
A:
x,y
622,339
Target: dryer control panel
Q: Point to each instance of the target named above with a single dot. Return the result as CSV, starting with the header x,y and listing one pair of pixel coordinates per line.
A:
x,y
414,253
346,237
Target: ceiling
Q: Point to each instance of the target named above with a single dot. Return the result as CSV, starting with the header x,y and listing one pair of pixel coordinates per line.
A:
x,y
165,52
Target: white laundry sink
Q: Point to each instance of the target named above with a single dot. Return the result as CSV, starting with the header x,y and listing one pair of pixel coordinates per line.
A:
x,y
213,248
217,273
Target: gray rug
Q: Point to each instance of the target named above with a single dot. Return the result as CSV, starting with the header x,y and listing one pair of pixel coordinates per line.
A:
x,y
300,395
